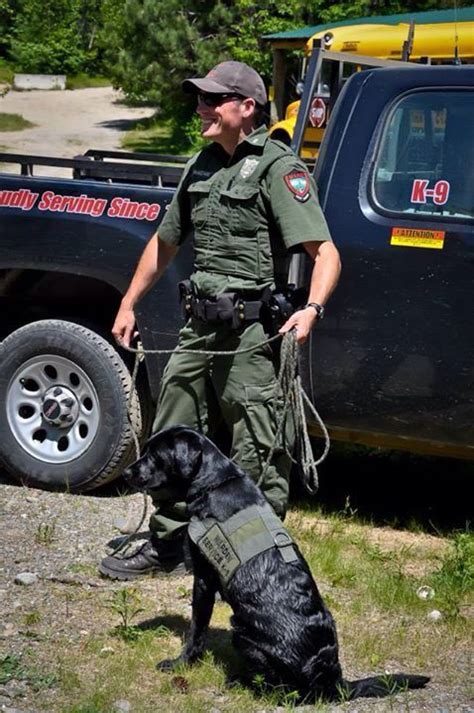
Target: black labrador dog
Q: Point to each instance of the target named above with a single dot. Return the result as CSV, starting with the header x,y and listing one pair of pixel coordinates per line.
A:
x,y
281,624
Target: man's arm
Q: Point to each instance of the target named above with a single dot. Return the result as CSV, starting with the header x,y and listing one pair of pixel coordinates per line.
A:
x,y
153,262
324,278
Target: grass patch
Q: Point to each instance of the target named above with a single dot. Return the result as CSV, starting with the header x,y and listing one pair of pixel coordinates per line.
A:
x,y
372,588
154,135
6,72
83,81
16,668
46,533
14,122
368,576
454,581
82,568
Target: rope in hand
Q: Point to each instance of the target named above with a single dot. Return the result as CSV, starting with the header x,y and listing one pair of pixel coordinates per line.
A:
x,y
294,399
289,386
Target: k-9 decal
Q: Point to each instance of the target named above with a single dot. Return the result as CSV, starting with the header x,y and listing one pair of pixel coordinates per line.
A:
x,y
420,193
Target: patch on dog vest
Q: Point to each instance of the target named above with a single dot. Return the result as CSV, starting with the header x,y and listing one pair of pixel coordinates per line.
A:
x,y
218,550
228,545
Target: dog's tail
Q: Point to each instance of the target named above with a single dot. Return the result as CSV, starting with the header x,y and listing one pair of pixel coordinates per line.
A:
x,y
383,685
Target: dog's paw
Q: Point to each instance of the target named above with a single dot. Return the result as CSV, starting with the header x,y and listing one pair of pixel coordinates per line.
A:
x,y
168,664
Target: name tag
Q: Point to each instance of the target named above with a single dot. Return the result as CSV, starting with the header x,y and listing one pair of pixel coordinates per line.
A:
x,y
217,549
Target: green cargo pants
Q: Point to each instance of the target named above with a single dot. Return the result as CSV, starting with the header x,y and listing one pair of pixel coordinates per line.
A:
x,y
202,391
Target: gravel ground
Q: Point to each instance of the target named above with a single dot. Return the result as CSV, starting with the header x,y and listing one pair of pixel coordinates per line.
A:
x,y
67,123
59,539
52,543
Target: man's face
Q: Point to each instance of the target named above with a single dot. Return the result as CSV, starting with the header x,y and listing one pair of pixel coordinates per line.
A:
x,y
223,116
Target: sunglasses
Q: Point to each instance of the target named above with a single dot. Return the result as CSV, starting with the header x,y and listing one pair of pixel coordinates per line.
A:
x,y
214,100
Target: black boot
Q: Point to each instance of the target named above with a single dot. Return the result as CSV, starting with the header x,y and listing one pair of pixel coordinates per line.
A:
x,y
152,558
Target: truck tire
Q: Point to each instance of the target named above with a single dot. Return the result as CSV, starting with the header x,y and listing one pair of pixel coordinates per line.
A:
x,y
63,407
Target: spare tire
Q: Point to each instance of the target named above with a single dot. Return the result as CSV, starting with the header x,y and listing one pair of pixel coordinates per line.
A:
x,y
64,393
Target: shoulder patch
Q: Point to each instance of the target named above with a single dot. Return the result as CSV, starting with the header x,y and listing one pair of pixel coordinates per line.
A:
x,y
298,183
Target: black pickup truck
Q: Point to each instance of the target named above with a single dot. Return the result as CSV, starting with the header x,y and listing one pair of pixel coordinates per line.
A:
x,y
392,362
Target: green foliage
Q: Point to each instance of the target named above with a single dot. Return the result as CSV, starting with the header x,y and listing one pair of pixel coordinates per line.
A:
x,y
8,10
45,37
323,11
149,46
455,578
274,695
61,37
13,122
255,19
32,617
127,604
12,667
81,81
159,43
6,72
45,533
96,705
157,135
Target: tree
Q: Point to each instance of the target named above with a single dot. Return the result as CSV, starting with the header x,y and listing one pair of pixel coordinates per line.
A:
x,y
45,37
59,37
8,11
322,11
158,43
256,19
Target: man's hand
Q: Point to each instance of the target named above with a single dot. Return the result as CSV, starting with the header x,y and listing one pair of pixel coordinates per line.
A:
x,y
124,326
324,277
303,321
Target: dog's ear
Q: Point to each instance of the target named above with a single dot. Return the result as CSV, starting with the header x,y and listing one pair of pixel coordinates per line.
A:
x,y
187,454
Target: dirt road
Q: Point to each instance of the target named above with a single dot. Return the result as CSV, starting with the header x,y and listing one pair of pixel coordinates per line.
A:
x,y
67,123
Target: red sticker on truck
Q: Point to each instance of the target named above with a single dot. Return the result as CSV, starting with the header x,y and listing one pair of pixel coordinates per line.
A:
x,y
23,199
420,193
51,202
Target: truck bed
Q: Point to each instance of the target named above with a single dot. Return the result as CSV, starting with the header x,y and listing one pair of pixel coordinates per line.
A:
x,y
112,166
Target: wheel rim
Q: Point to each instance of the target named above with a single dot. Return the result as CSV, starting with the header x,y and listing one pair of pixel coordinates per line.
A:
x,y
53,409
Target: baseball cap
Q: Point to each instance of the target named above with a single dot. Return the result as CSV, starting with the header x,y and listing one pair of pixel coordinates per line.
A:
x,y
229,78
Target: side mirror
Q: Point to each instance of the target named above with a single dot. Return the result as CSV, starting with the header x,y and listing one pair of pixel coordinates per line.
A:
x,y
299,88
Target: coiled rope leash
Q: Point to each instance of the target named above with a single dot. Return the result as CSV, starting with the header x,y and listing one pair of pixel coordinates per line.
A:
x,y
294,400
290,397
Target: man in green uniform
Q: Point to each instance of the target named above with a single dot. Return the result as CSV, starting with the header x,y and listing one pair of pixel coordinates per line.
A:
x,y
248,202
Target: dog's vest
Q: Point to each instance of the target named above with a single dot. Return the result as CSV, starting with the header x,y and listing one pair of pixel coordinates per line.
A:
x,y
230,544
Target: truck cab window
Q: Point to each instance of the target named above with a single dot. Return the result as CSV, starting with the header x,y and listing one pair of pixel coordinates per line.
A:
x,y
425,162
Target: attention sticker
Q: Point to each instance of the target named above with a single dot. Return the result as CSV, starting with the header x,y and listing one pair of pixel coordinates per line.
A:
x,y
414,238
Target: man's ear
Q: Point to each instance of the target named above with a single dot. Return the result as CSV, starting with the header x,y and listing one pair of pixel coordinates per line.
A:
x,y
187,455
248,107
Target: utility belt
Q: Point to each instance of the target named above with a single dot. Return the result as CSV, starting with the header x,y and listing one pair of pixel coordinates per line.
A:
x,y
240,309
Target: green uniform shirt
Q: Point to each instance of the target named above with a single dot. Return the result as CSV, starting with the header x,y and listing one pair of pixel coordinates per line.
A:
x,y
245,214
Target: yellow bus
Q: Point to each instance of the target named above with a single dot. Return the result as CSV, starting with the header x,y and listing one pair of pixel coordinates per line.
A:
x,y
437,43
